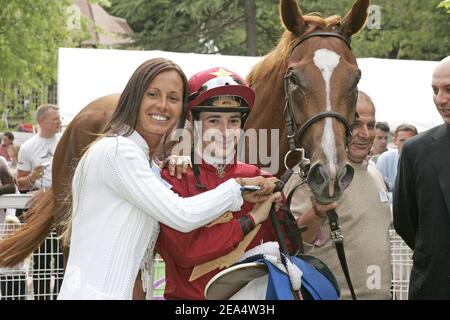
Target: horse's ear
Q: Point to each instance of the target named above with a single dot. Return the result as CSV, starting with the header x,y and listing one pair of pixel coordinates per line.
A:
x,y
292,17
356,17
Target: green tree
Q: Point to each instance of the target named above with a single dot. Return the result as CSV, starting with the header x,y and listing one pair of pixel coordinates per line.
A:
x,y
445,4
409,29
213,26
30,33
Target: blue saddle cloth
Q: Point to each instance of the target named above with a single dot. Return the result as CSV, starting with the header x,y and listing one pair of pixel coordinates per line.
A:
x,y
318,285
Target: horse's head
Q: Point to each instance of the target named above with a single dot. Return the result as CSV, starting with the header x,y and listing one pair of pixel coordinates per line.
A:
x,y
321,84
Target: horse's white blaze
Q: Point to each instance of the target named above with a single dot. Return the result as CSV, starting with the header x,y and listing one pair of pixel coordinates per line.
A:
x,y
327,60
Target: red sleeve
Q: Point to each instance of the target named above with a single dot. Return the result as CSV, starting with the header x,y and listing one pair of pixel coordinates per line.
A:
x,y
201,245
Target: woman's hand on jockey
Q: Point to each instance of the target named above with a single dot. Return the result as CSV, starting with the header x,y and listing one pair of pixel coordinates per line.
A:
x,y
178,165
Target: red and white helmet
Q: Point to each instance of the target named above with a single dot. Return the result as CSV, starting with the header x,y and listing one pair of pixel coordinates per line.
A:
x,y
219,89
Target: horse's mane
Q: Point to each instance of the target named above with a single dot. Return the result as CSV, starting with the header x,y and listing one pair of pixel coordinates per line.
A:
x,y
278,56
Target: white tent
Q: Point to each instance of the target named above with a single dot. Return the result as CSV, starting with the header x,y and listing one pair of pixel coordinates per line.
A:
x,y
400,89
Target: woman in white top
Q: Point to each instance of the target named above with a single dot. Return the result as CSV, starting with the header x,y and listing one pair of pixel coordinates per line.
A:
x,y
117,199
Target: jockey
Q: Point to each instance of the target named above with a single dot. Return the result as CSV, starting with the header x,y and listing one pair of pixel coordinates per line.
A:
x,y
219,103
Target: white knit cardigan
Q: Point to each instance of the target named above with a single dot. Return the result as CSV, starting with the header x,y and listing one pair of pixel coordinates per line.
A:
x,y
117,204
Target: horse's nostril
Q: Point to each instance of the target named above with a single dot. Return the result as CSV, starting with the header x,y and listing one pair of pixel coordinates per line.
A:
x,y
345,176
317,175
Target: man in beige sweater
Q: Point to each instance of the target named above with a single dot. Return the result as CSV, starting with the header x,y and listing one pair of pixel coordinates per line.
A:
x,y
364,216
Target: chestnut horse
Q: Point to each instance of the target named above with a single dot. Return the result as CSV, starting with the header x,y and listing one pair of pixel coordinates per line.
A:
x,y
322,76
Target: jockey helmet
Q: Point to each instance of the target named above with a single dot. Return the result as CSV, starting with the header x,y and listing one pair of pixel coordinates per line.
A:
x,y
220,90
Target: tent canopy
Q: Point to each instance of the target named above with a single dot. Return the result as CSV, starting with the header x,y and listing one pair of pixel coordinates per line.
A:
x,y
400,89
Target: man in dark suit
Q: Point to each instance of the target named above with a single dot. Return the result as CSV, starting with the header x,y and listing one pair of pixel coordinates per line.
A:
x,y
422,198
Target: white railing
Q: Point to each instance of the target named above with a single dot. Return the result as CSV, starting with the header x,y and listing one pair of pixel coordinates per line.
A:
x,y
40,275
401,263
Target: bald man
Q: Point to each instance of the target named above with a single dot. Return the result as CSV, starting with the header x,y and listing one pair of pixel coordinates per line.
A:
x,y
422,198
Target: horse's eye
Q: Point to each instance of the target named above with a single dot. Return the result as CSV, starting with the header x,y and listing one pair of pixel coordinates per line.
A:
x,y
294,80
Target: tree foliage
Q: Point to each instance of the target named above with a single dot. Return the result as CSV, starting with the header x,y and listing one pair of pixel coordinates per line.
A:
x,y
213,26
445,4
409,29
30,33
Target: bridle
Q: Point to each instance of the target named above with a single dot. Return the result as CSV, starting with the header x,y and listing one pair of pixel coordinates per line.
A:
x,y
294,132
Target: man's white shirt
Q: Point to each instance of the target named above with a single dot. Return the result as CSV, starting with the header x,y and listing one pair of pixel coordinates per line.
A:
x,y
36,151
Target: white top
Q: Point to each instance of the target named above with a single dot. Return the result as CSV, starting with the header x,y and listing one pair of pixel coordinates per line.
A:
x,y
36,151
117,204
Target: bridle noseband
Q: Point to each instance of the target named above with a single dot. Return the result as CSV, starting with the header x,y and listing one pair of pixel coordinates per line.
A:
x,y
291,125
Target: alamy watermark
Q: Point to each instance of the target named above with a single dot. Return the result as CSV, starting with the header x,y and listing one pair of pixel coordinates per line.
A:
x,y
253,146
374,17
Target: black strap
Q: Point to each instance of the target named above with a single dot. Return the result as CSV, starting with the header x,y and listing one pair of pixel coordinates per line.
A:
x,y
294,232
347,40
338,243
327,114
273,215
196,170
290,123
284,252
294,132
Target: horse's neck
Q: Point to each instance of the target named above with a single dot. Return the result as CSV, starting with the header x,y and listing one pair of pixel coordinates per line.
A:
x,y
268,111
269,102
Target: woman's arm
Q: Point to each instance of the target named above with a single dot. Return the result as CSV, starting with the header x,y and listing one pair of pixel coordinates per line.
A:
x,y
126,170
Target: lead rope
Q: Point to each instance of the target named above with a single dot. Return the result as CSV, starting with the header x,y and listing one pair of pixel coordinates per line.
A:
x,y
284,252
338,242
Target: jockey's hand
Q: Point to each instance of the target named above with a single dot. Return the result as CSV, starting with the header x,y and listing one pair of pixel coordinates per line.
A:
x,y
178,165
36,196
267,187
261,210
